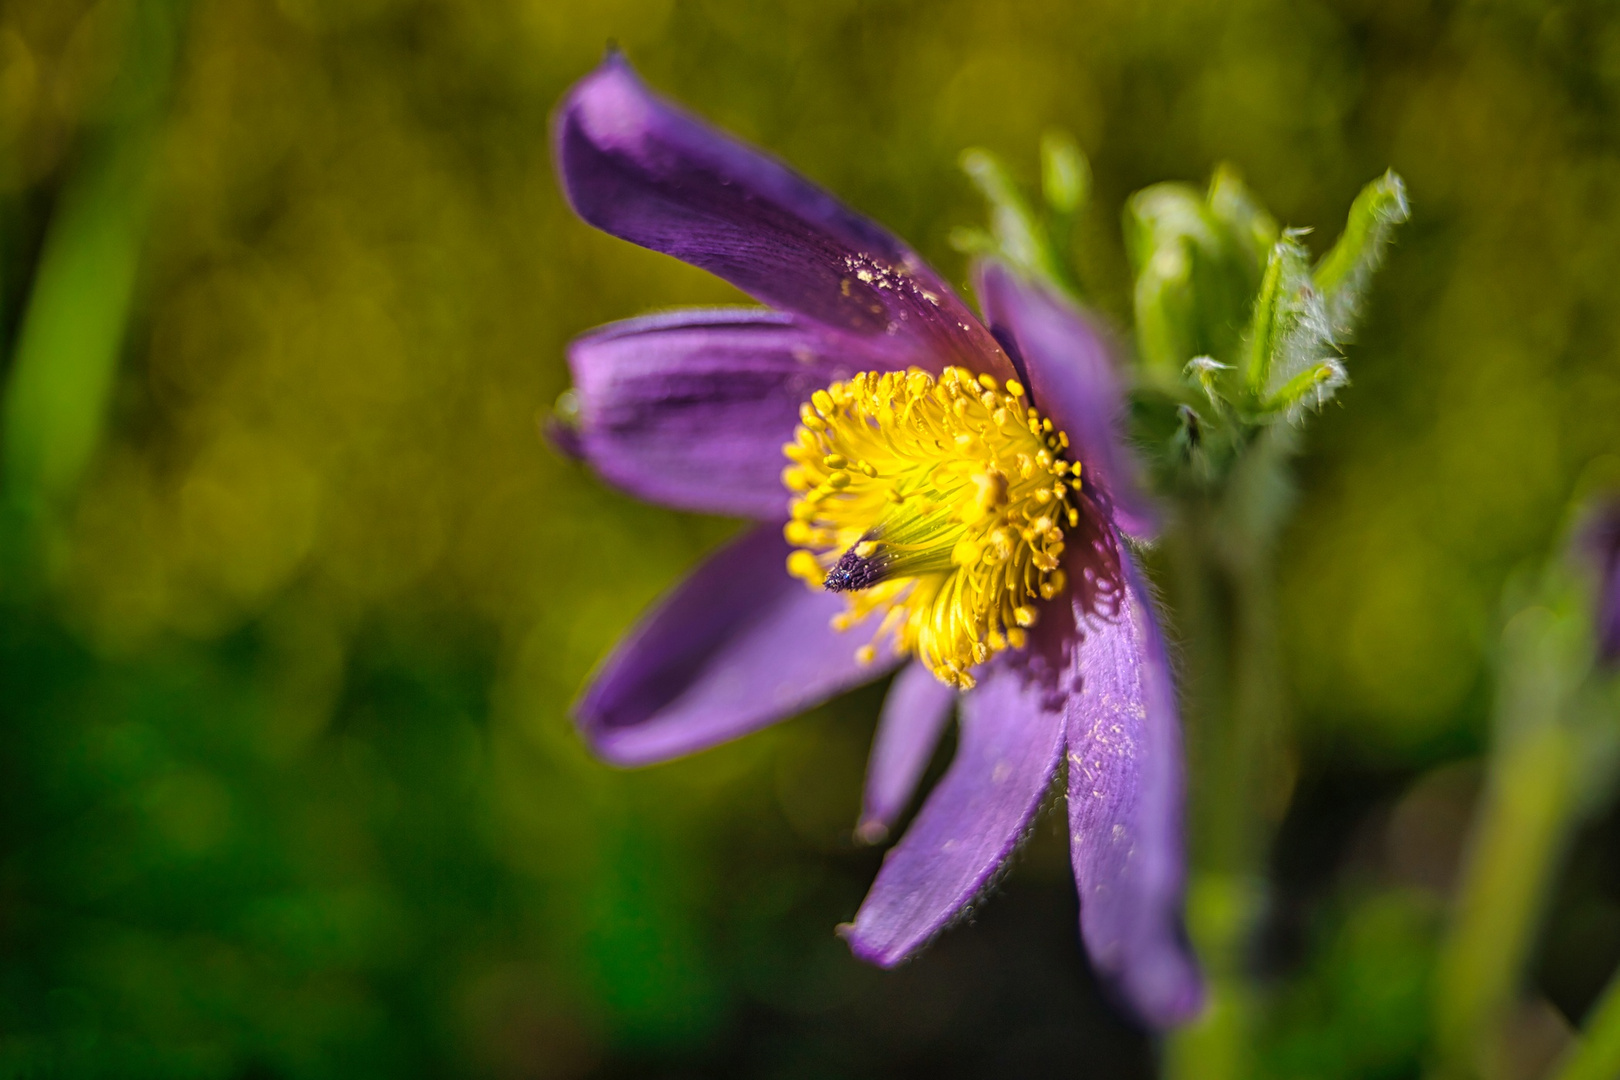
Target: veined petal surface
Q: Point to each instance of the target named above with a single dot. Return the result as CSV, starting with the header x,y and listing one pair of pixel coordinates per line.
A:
x,y
637,166
1126,791
736,646
690,408
1011,743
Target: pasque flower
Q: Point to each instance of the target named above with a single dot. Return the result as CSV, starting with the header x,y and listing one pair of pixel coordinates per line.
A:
x,y
932,492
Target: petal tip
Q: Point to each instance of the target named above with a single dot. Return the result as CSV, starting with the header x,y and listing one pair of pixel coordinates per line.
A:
x,y
866,952
563,437
871,831
1183,1002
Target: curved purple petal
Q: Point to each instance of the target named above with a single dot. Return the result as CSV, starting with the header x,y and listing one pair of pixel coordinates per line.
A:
x,y
690,408
1126,791
736,646
1072,380
1011,744
914,714
636,166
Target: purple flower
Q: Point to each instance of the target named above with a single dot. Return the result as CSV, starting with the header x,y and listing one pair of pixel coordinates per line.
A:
x,y
964,488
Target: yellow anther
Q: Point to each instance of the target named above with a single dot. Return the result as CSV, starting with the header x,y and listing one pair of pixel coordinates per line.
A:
x,y
803,565
992,490
947,489
865,654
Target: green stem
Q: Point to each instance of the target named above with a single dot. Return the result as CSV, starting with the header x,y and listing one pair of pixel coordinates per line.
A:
x,y
1597,1055
1519,836
59,389
1223,568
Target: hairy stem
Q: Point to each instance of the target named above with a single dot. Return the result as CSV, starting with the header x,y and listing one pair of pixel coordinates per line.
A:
x,y
1224,574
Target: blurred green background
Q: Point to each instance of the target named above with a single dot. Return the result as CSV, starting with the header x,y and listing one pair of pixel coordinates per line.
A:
x,y
295,598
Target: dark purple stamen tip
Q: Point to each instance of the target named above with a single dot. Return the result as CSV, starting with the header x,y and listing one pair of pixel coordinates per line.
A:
x,y
853,573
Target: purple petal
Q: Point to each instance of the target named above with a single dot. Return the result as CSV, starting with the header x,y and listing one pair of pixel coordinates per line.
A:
x,y
638,167
690,408
1126,790
914,714
736,646
1072,380
1011,744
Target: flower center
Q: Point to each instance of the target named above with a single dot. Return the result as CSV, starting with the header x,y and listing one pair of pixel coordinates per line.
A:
x,y
940,504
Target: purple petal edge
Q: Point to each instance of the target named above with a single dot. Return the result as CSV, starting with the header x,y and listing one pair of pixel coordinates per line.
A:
x,y
914,714
638,167
1072,380
736,646
1011,744
1126,791
690,408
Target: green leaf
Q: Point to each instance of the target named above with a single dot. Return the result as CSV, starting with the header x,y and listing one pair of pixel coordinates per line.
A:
x,y
1195,281
1345,272
1235,206
1289,351
971,240
1017,233
1065,173
1277,312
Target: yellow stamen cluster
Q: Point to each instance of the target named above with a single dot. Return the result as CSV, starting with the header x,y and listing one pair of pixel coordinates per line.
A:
x,y
939,503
